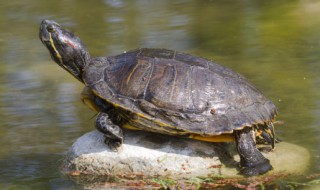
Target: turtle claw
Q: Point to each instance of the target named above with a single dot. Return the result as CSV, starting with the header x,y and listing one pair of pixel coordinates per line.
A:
x,y
257,169
113,144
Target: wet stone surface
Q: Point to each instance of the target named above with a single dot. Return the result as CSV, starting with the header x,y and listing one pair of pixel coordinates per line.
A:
x,y
148,155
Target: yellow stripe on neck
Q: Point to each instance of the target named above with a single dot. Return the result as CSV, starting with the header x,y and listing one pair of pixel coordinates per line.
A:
x,y
55,49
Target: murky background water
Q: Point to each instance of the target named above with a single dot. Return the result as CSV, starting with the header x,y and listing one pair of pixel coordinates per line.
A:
x,y
275,44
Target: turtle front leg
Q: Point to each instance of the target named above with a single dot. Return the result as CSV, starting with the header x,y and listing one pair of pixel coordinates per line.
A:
x,y
112,132
252,161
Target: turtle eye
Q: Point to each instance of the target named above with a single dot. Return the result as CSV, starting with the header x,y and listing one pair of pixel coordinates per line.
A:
x,y
50,28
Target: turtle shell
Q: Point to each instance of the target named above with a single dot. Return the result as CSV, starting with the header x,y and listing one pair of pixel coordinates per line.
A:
x,y
170,92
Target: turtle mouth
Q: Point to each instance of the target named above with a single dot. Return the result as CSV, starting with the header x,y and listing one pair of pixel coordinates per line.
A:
x,y
43,39
43,36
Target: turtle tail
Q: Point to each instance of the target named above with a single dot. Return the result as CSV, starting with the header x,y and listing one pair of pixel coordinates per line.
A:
x,y
266,135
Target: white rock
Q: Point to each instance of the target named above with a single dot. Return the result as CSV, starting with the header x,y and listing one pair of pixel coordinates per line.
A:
x,y
149,154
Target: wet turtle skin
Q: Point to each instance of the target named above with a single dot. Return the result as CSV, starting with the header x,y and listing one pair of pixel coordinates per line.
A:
x,y
168,92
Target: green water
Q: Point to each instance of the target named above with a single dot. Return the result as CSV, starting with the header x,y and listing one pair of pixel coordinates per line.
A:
x,y
275,44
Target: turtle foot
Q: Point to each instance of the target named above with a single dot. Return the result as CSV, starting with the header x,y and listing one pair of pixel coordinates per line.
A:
x,y
257,169
114,144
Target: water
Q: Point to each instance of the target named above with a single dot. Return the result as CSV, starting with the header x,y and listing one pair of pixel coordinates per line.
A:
x,y
275,44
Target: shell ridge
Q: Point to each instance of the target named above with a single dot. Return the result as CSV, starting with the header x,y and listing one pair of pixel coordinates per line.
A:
x,y
149,78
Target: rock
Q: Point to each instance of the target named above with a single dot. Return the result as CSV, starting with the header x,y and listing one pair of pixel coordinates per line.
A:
x,y
149,154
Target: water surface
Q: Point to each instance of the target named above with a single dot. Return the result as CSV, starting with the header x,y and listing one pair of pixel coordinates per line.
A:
x,y
275,44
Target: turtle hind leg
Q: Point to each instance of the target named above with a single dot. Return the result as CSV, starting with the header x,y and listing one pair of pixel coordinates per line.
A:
x,y
252,161
113,133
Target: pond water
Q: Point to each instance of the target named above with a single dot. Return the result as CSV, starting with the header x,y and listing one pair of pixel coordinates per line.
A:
x,y
275,44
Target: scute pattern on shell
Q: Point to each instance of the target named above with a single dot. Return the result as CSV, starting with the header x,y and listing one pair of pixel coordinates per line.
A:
x,y
174,93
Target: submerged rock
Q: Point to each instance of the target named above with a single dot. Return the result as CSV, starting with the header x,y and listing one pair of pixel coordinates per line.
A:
x,y
149,154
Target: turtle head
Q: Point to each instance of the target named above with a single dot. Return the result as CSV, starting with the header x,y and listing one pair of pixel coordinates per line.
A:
x,y
66,49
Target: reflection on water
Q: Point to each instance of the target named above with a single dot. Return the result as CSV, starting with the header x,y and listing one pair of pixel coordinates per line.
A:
x,y
274,44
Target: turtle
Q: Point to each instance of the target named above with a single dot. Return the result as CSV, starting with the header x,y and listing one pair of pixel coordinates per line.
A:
x,y
167,92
